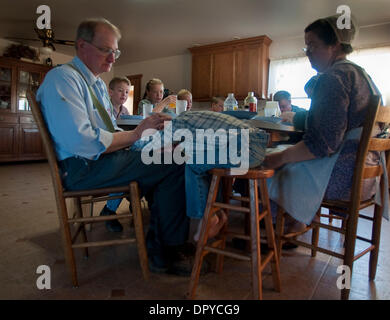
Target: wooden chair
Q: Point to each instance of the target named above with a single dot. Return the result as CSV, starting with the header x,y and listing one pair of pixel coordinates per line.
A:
x,y
375,114
255,178
78,222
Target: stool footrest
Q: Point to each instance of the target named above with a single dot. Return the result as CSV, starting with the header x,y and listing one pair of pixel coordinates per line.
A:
x,y
227,253
262,215
237,235
244,199
266,260
231,207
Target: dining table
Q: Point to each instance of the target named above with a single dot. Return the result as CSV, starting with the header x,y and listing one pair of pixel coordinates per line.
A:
x,y
279,132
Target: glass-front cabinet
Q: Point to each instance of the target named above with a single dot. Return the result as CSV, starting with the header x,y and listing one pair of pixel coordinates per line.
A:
x,y
5,87
20,139
27,80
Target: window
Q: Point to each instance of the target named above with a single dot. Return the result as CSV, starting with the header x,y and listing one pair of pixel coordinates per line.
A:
x,y
376,62
130,100
293,73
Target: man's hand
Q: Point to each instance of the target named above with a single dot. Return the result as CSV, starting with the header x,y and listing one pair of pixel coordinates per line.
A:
x,y
124,139
288,116
155,121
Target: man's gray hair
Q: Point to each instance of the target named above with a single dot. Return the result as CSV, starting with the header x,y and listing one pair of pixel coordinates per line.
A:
x,y
87,28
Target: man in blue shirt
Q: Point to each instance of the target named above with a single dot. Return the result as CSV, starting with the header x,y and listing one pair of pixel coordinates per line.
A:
x,y
93,152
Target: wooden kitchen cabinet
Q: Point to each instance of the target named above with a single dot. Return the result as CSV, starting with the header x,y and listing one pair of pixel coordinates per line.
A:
x,y
237,66
202,78
19,135
8,141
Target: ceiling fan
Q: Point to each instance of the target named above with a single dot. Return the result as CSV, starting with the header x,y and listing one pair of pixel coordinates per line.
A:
x,y
46,36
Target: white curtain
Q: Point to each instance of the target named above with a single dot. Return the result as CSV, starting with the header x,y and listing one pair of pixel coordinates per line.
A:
x,y
292,74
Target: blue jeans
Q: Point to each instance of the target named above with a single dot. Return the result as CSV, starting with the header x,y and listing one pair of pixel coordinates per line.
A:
x,y
162,185
115,203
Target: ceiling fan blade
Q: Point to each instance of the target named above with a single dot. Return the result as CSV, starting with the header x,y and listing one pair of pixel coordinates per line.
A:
x,y
64,42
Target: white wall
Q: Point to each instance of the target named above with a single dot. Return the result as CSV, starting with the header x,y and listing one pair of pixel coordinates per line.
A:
x,y
58,58
174,71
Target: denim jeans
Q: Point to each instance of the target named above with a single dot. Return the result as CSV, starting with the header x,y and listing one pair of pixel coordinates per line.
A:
x,y
115,203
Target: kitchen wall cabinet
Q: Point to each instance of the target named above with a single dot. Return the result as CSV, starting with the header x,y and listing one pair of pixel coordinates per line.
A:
x,y
237,66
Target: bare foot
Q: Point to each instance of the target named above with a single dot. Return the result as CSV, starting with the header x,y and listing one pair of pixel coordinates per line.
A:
x,y
293,226
217,222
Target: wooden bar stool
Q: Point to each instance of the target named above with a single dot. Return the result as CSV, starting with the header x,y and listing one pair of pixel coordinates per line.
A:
x,y
255,178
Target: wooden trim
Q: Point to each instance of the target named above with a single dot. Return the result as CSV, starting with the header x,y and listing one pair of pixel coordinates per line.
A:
x,y
247,41
137,94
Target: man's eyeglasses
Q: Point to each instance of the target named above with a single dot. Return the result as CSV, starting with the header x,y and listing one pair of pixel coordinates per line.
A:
x,y
107,51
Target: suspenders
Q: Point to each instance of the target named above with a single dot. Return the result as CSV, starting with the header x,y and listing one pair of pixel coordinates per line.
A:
x,y
102,111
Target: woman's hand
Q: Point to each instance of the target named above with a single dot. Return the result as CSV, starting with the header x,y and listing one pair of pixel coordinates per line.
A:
x,y
274,160
288,116
296,153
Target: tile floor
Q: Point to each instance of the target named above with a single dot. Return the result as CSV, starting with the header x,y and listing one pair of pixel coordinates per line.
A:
x,y
29,237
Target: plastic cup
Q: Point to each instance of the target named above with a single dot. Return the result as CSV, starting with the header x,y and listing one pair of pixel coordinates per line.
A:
x,y
147,110
181,106
272,109
172,105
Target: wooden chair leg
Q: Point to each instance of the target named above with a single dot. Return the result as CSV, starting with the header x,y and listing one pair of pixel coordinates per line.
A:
x,y
275,266
348,261
139,231
79,214
255,241
67,240
247,220
375,240
350,240
227,188
315,236
314,240
203,237
279,230
220,257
